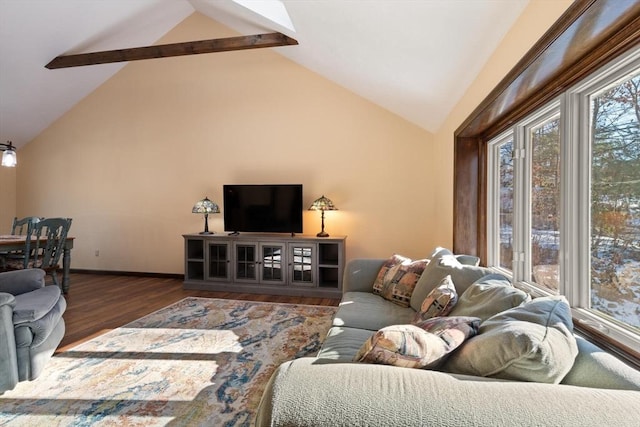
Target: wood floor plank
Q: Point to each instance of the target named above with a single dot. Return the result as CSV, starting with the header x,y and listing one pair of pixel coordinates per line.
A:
x,y
98,303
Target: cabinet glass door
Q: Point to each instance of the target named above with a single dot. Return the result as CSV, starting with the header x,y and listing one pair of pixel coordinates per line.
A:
x,y
218,261
272,269
302,264
246,262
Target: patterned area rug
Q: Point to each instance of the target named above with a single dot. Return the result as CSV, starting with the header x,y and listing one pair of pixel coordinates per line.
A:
x,y
198,362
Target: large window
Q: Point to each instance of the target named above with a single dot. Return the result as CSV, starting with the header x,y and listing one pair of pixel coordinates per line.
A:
x,y
564,200
615,200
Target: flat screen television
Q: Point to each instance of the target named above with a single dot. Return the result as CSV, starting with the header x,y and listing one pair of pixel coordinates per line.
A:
x,y
263,208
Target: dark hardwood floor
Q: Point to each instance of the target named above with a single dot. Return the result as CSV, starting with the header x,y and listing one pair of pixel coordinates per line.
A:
x,y
97,303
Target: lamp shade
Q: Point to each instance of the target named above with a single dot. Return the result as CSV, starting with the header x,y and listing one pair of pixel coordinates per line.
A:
x,y
205,206
322,204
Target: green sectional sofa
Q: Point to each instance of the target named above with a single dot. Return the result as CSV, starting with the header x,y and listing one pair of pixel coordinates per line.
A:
x,y
517,362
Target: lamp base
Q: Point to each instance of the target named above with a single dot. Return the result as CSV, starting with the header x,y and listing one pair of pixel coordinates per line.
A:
x,y
322,234
206,232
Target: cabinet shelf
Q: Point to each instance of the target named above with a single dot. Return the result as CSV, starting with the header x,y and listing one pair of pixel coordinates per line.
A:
x,y
265,263
195,270
329,277
195,249
328,254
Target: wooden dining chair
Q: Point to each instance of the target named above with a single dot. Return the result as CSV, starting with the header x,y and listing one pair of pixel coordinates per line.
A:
x,y
24,226
46,253
20,227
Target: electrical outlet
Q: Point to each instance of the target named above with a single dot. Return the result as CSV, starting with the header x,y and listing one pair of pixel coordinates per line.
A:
x,y
97,252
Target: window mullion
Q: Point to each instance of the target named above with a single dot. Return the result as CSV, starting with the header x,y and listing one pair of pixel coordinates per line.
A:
x,y
582,257
493,194
520,197
572,209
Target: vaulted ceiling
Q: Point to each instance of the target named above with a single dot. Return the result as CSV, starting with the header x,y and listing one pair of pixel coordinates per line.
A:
x,y
415,58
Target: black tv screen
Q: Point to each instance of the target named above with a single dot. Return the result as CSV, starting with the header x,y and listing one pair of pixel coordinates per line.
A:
x,y
263,208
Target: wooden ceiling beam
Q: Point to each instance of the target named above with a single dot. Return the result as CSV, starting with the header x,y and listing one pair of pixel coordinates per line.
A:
x,y
174,49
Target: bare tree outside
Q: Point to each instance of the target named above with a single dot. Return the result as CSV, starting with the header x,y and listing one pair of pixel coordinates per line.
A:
x,y
506,204
545,203
615,202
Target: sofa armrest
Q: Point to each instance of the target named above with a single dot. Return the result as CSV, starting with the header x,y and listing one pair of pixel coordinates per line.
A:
x,y
360,273
8,300
595,367
8,357
34,305
21,281
315,392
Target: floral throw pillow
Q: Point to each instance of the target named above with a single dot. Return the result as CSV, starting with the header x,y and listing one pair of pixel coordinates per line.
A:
x,y
397,279
439,302
453,331
423,346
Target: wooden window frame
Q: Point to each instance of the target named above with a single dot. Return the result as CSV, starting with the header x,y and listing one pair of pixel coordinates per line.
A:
x,y
577,47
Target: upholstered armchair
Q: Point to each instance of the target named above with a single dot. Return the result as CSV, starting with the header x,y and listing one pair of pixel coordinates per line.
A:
x,y
31,325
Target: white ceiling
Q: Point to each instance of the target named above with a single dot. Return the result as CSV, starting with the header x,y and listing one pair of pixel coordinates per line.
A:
x,y
415,58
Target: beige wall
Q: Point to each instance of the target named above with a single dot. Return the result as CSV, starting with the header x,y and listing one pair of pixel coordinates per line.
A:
x,y
7,197
535,20
130,160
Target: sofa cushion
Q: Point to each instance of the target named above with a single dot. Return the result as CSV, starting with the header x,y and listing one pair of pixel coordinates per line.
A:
x,y
439,302
343,343
443,263
488,296
365,310
468,260
414,346
597,368
397,278
305,392
532,342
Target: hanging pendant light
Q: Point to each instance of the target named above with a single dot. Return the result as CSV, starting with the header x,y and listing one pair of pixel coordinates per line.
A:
x,y
9,157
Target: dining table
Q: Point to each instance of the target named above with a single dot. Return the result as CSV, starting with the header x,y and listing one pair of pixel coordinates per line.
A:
x,y
10,242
